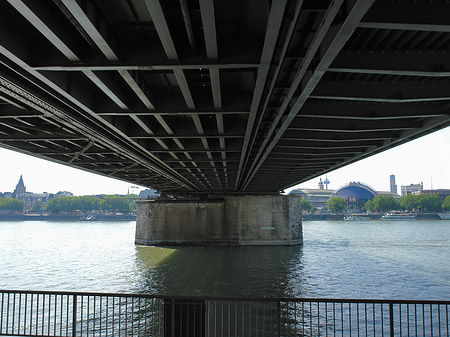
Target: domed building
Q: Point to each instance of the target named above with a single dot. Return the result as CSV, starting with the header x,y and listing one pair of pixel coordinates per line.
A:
x,y
355,193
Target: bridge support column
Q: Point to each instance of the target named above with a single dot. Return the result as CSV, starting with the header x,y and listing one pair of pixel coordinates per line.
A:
x,y
236,220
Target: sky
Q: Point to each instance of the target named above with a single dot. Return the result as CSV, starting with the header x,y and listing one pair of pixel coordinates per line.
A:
x,y
426,160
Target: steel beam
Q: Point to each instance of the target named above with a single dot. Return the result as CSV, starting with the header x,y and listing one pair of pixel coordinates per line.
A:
x,y
171,113
209,32
273,29
329,48
214,65
413,62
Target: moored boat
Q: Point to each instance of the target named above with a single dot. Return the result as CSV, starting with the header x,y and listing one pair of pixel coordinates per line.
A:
x,y
398,216
355,218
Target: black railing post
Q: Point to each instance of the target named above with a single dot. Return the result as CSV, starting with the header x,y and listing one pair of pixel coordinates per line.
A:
x,y
279,317
173,319
391,319
188,317
74,316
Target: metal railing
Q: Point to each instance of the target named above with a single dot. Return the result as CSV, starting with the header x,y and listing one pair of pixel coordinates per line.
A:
x,y
33,313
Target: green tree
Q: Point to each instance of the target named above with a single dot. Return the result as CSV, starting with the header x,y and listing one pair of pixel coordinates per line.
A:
x,y
62,204
11,205
88,203
91,203
430,203
368,206
384,203
54,205
305,204
36,207
409,202
132,199
115,203
336,204
71,204
446,204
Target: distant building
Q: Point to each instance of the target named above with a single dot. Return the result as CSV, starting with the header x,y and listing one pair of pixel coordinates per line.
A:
x,y
389,193
21,193
63,194
317,197
441,193
30,198
414,189
356,194
392,185
320,184
42,198
6,195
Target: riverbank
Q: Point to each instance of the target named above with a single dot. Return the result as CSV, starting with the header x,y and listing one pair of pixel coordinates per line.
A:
x,y
67,217
315,217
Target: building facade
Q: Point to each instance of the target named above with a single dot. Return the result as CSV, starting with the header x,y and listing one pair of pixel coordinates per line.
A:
x,y
414,189
441,193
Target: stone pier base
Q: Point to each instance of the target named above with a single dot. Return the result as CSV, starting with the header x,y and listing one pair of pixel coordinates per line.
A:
x,y
236,220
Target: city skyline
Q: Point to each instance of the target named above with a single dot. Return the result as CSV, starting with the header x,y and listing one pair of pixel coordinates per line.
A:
x,y
424,160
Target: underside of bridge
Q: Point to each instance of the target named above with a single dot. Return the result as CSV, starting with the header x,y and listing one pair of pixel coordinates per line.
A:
x,y
220,97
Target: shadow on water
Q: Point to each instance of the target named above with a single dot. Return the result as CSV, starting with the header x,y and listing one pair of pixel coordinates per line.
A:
x,y
221,271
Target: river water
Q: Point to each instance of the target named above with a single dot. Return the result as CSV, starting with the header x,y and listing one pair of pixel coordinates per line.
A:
x,y
370,259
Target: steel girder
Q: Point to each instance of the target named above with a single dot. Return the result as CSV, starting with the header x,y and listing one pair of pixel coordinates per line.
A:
x,y
220,97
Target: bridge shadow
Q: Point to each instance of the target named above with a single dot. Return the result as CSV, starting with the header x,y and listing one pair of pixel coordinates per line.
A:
x,y
222,271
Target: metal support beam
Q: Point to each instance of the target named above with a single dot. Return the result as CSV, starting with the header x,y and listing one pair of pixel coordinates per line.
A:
x,y
156,12
329,48
217,65
272,32
209,32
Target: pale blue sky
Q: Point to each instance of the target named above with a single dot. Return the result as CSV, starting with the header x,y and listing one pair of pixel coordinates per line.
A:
x,y
424,160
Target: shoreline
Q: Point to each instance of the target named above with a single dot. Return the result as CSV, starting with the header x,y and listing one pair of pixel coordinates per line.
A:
x,y
67,217
315,217
132,217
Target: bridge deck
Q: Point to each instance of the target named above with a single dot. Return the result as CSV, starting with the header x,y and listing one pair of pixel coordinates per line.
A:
x,y
220,96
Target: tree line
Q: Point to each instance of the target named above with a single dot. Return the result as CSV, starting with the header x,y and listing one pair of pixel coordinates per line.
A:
x,y
11,204
67,204
114,203
385,203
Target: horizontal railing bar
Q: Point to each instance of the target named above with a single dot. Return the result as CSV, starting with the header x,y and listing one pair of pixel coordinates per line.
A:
x,y
233,298
69,313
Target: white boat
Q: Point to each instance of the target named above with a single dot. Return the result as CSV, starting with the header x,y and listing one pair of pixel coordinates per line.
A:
x,y
399,216
355,218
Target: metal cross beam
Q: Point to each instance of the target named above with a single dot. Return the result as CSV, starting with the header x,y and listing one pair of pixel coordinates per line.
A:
x,y
218,97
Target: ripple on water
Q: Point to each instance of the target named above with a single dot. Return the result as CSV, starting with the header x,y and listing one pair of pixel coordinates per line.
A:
x,y
338,259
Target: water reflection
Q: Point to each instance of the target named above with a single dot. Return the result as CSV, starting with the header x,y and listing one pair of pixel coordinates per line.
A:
x,y
221,271
377,259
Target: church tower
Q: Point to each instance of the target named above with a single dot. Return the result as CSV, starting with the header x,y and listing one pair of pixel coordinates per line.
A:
x,y
21,193
20,189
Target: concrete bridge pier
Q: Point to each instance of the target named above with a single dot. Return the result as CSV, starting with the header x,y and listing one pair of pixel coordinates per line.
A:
x,y
235,220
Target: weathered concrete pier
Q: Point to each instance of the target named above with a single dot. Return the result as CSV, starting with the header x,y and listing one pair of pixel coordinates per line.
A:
x,y
235,220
